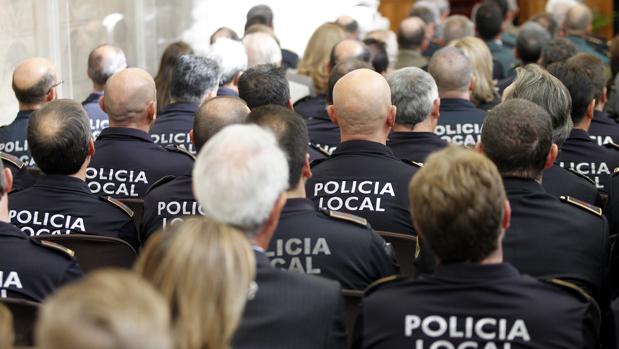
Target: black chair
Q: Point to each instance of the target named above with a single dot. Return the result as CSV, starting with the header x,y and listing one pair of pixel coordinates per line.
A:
x,y
353,306
24,317
137,206
404,246
94,252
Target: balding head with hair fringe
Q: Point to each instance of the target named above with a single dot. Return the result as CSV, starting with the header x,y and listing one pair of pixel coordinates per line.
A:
x,y
451,70
128,96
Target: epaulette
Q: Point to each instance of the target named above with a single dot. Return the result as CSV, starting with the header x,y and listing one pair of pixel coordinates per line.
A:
x,y
160,182
414,163
317,161
118,204
12,159
585,206
56,247
579,293
320,150
381,282
587,178
347,217
615,171
182,150
612,145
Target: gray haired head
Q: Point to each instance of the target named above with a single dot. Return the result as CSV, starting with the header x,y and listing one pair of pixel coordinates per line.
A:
x,y
193,78
413,92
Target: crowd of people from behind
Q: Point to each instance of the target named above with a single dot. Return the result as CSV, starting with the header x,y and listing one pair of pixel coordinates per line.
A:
x,y
275,188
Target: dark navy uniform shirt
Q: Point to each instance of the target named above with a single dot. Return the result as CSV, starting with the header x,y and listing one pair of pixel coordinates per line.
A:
x,y
467,305
365,179
582,154
30,269
322,132
311,106
21,178
58,204
549,238
414,146
127,163
291,310
603,129
166,203
460,122
330,244
560,181
98,118
172,126
13,138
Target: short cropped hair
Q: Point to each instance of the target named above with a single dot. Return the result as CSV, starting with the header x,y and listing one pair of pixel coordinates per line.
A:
x,y
517,136
291,133
259,14
451,69
580,85
413,91
248,159
530,41
488,21
193,78
457,201
547,21
378,54
215,114
557,50
264,84
594,68
58,137
411,40
340,70
37,92
457,27
231,58
535,84
108,309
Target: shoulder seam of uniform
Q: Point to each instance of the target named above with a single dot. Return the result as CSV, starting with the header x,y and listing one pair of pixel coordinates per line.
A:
x,y
380,282
583,176
585,206
12,159
414,163
179,149
347,217
159,182
57,247
118,204
612,145
320,150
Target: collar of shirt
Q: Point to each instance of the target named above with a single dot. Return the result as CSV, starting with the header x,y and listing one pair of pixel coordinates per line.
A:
x,y
417,136
471,272
452,103
579,134
7,229
24,114
360,147
600,116
93,97
298,205
519,183
63,182
178,108
124,133
226,91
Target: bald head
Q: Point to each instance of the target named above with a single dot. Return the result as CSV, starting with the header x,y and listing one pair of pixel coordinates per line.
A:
x,y
215,114
33,80
103,62
578,20
451,70
411,33
362,103
130,97
348,49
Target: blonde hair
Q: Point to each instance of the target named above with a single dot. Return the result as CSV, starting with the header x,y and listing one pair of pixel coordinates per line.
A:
x,y
204,269
317,53
7,334
108,309
481,60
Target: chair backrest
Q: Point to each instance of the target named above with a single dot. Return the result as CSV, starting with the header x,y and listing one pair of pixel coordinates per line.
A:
x,y
94,251
353,306
404,246
24,318
137,206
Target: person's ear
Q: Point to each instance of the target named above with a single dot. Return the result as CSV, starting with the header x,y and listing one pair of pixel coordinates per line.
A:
x,y
331,113
191,137
236,79
307,169
507,214
290,105
266,233
152,111
552,156
102,104
91,147
436,108
604,96
51,95
590,110
472,84
391,116
8,180
479,148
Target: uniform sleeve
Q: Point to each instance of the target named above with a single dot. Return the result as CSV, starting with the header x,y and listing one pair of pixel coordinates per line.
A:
x,y
336,338
383,261
73,272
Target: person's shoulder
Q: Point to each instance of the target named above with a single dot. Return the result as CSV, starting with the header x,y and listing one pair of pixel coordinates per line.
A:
x,y
386,286
343,222
180,152
305,285
116,207
11,160
576,210
53,252
160,185
577,176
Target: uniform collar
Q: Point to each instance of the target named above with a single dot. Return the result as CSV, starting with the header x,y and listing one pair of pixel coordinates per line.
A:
x,y
7,229
24,114
470,272
413,135
226,91
456,102
528,184
124,133
362,147
64,182
262,261
93,97
600,115
180,107
577,133
298,205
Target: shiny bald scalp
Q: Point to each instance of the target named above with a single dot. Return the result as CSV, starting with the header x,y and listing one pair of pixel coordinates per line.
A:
x,y
104,61
361,102
128,96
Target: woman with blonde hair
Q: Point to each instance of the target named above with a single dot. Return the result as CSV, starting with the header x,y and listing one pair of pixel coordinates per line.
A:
x,y
484,94
317,52
205,270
